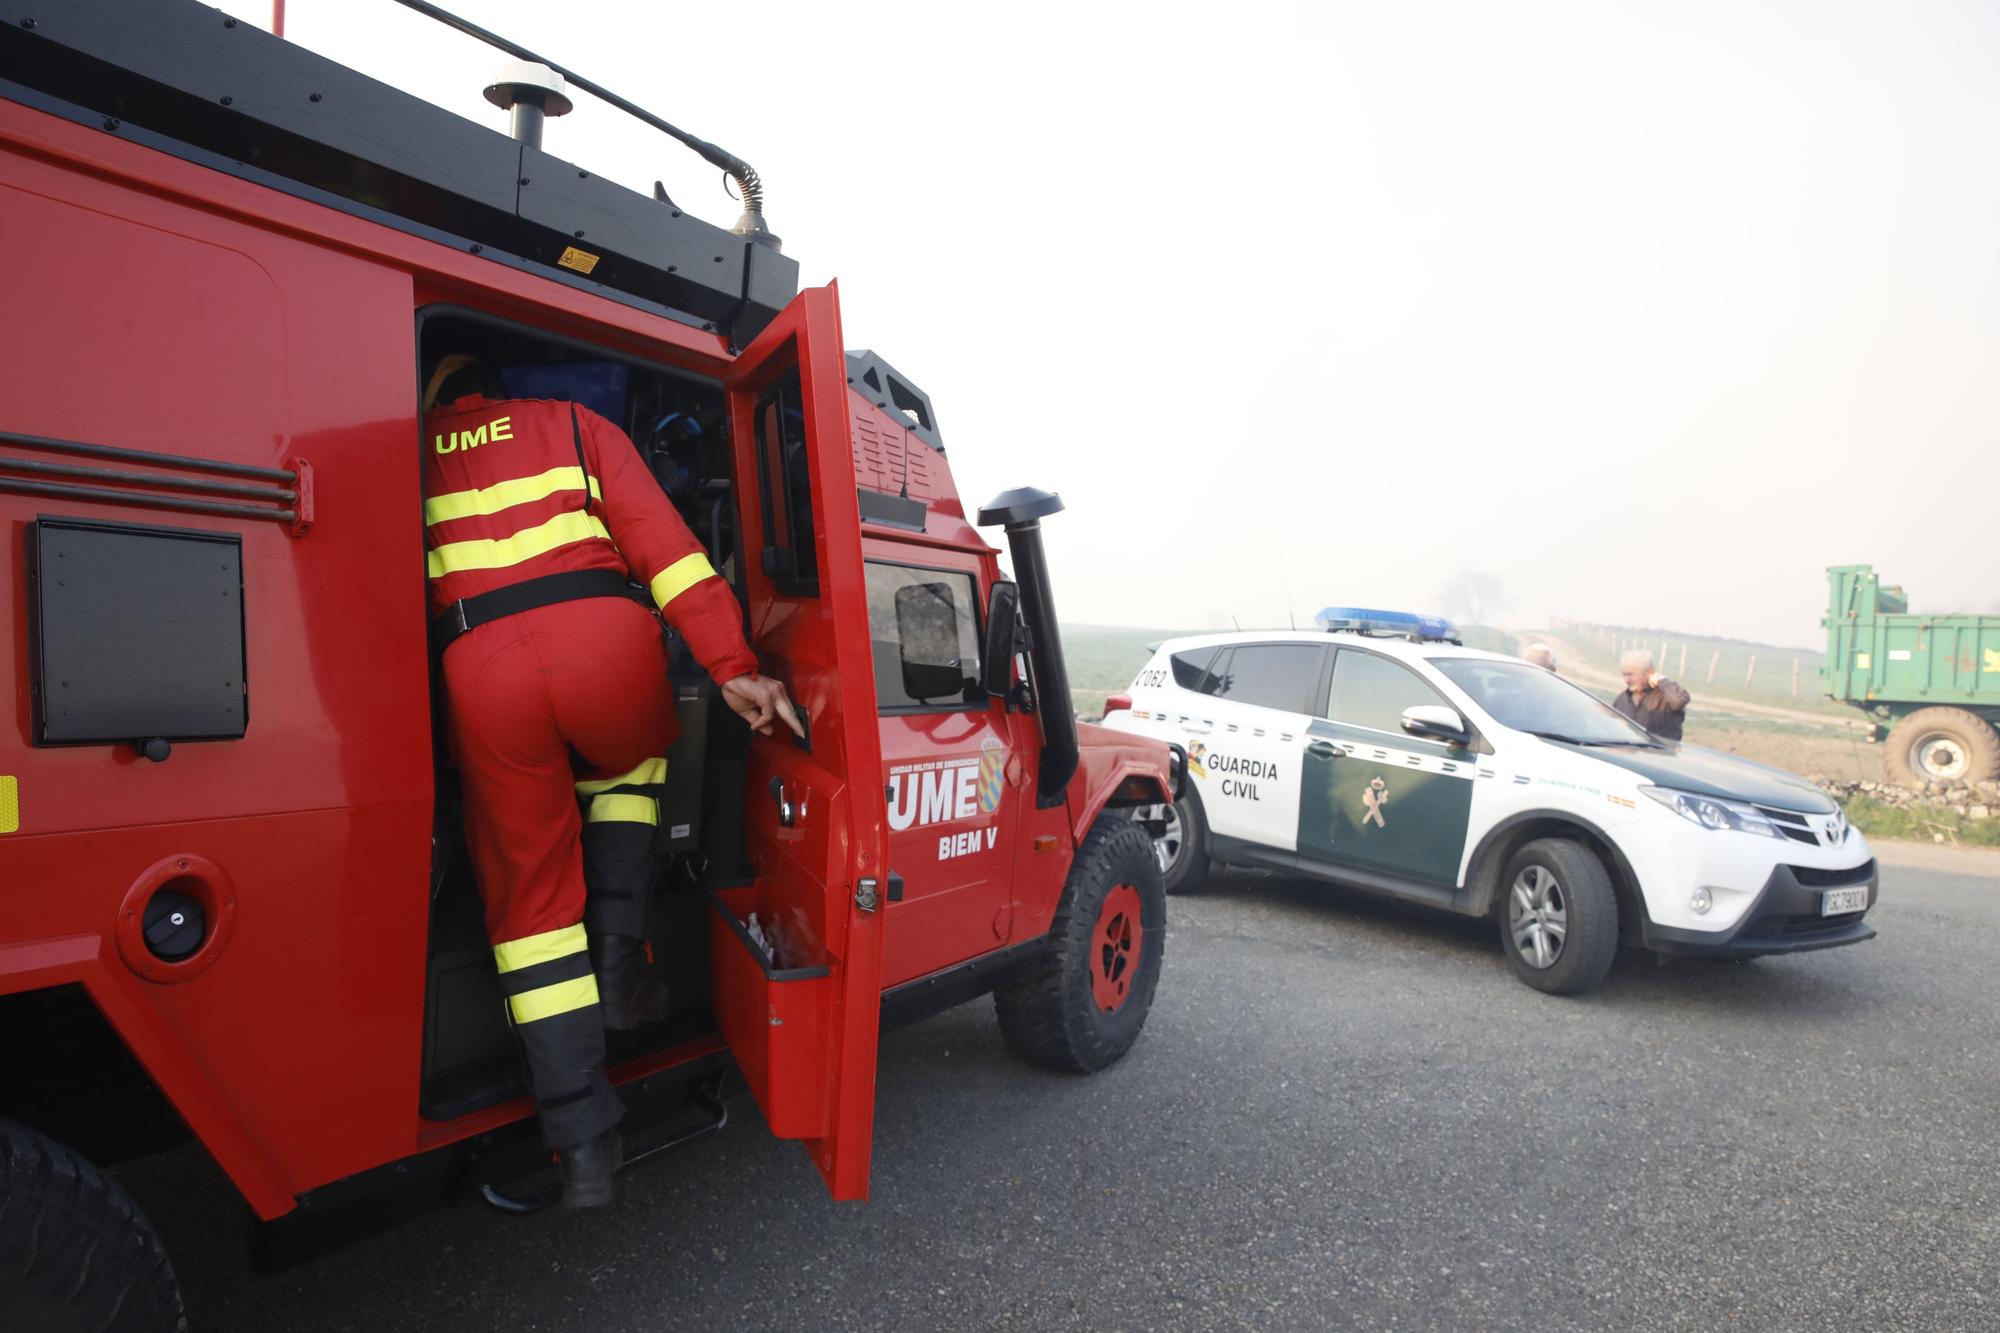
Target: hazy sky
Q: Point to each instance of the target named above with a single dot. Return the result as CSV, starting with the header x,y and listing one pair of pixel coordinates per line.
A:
x,y
1650,311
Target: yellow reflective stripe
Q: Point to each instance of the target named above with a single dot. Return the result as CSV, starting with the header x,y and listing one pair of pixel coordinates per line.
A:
x,y
548,1001
678,577
624,810
466,504
649,774
524,545
545,947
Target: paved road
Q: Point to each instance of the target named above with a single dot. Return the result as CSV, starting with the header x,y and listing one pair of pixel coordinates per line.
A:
x,y
1342,1114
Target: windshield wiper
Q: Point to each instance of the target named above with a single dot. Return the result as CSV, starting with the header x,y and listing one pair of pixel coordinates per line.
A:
x,y
1644,742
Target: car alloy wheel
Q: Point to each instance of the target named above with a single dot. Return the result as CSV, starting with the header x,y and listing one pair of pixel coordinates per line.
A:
x,y
1172,838
1538,916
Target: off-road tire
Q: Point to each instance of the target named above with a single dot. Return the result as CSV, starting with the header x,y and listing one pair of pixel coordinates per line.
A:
x,y
75,1251
1049,1012
1971,731
1190,871
1591,906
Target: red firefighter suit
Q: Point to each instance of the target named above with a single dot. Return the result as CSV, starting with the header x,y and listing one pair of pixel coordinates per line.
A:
x,y
560,715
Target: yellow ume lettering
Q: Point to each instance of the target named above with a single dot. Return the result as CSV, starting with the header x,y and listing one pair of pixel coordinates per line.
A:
x,y
500,428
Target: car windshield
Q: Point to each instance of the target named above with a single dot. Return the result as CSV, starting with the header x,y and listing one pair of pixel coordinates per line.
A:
x,y
1529,698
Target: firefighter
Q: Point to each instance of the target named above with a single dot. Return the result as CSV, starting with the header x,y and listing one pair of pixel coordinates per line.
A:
x,y
561,712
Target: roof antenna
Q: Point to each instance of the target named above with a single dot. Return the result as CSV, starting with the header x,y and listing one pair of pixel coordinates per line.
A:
x,y
748,185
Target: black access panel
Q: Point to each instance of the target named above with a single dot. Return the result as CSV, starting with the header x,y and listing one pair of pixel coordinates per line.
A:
x,y
136,633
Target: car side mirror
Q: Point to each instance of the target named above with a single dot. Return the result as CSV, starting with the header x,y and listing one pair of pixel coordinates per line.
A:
x,y
927,634
1003,628
1436,722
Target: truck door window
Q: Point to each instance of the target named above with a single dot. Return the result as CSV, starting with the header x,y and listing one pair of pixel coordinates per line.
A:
x,y
1371,691
789,555
1271,675
924,627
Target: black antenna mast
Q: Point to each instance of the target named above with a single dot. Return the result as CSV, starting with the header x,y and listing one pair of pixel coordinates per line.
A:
x,y
751,224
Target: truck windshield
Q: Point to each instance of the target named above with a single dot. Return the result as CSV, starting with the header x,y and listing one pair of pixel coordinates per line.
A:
x,y
1528,698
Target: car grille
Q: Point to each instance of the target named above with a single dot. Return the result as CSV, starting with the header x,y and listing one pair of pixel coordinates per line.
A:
x,y
1833,879
1790,823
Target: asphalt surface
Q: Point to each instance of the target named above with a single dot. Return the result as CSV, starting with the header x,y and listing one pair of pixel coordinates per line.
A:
x,y
1342,1114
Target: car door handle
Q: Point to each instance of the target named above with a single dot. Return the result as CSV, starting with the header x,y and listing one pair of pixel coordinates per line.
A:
x,y
1324,750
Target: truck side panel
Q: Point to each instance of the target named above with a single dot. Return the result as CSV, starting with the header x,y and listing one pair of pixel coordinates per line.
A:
x,y
233,342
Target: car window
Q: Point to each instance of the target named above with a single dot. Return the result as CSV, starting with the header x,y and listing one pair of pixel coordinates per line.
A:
x,y
1268,675
1190,667
1534,699
1371,691
924,629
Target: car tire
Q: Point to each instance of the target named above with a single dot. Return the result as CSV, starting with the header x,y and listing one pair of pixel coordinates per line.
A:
x,y
1080,1005
1182,852
75,1251
1919,745
1558,916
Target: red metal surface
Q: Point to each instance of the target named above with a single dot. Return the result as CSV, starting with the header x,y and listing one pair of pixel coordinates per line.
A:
x,y
1114,947
778,1028
810,871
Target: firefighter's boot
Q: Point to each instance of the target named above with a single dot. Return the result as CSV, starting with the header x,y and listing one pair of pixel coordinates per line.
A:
x,y
588,1171
629,987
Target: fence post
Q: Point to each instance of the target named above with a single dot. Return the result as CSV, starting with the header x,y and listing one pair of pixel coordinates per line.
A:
x,y
1795,677
1713,658
1683,672
1750,673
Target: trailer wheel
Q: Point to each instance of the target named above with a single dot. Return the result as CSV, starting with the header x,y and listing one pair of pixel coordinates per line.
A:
x,y
75,1251
1943,745
1181,848
1080,1005
1559,918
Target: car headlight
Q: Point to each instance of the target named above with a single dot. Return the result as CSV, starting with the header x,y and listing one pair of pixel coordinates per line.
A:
x,y
1714,813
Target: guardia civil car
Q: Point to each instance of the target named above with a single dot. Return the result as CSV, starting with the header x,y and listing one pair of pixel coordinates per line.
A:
x,y
1380,753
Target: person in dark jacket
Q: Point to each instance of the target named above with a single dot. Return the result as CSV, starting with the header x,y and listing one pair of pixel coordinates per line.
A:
x,y
1649,698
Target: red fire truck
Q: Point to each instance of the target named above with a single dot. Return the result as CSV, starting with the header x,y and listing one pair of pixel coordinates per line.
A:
x,y
234,897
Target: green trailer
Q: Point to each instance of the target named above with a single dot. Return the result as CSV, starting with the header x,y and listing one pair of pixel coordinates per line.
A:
x,y
1935,680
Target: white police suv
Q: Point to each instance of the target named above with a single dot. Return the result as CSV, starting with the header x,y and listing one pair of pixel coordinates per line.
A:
x,y
1380,753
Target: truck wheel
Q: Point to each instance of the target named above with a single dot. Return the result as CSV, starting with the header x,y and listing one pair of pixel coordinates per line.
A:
x,y
1559,919
75,1251
1181,849
1943,745
1080,1005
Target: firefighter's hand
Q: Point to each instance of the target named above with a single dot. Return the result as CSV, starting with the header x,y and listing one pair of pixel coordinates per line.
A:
x,y
759,700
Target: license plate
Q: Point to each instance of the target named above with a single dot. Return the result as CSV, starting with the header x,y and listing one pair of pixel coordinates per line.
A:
x,y
1839,902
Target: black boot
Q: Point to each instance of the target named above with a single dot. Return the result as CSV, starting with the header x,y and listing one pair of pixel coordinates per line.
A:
x,y
587,1172
628,987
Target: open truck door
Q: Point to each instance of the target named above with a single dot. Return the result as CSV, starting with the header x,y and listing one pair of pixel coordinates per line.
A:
x,y
799,997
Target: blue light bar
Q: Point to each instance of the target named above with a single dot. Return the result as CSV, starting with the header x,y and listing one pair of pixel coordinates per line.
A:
x,y
1398,624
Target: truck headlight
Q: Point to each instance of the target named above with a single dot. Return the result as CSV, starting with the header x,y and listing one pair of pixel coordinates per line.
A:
x,y
1712,812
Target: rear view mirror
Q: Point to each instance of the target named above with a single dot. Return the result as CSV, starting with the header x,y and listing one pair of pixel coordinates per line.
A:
x,y
1436,722
927,630
1003,619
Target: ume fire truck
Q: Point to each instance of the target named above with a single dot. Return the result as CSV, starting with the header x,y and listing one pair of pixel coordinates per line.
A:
x,y
234,896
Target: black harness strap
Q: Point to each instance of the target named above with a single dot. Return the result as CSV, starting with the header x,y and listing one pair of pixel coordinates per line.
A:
x,y
470,613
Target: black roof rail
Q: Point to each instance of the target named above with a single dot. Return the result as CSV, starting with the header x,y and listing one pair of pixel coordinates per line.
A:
x,y
751,224
185,79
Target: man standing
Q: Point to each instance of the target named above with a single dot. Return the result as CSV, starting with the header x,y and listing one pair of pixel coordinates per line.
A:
x,y
538,515
1649,698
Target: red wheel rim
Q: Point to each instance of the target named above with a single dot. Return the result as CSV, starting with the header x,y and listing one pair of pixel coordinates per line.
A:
x,y
1114,948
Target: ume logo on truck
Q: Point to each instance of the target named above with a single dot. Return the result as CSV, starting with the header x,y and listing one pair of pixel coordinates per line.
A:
x,y
943,790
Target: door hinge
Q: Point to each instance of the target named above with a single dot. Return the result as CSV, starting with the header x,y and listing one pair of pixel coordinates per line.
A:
x,y
864,895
